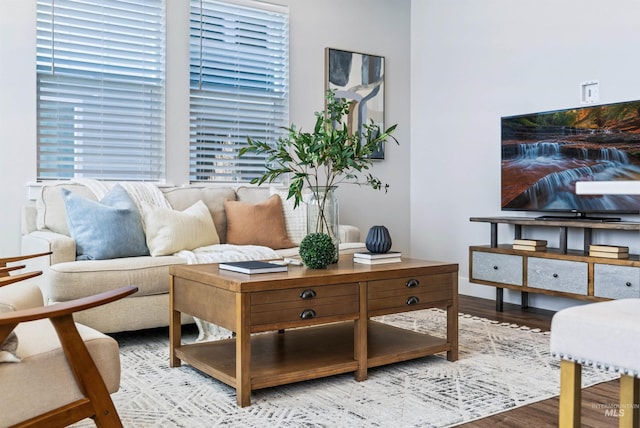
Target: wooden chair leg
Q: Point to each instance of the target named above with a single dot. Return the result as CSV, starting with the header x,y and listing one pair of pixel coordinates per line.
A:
x,y
629,402
570,394
86,373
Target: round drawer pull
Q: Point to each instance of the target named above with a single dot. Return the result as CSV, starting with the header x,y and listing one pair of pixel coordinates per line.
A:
x,y
628,284
412,283
308,294
555,275
307,314
413,300
495,268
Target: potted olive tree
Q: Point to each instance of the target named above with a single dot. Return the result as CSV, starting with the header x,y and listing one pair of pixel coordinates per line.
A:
x,y
321,160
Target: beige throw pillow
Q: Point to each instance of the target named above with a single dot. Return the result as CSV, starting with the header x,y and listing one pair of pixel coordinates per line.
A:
x,y
169,231
257,224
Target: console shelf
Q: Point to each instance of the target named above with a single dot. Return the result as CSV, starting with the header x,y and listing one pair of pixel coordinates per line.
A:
x,y
557,271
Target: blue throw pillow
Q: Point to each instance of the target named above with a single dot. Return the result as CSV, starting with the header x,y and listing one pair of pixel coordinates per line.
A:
x,y
107,229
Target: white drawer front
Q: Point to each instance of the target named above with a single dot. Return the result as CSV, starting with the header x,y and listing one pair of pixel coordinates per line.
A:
x,y
558,275
501,268
616,282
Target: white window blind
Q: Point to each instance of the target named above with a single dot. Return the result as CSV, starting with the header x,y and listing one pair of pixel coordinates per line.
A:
x,y
100,67
239,60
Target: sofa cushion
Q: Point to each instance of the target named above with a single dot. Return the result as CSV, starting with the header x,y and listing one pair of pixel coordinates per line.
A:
x,y
107,229
72,280
257,224
169,231
51,212
252,194
181,198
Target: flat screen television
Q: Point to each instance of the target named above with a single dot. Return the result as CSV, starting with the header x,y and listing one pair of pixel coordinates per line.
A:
x,y
545,154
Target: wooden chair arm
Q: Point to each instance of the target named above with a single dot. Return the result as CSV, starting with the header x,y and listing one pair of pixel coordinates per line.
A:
x,y
5,270
10,279
5,260
96,403
65,308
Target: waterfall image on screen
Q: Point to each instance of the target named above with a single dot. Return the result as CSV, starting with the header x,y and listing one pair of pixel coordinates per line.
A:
x,y
545,154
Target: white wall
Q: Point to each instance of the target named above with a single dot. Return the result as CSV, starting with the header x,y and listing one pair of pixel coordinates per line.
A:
x,y
475,61
378,27
17,115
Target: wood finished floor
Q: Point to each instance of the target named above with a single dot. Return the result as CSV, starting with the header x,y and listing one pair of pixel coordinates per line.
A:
x,y
544,413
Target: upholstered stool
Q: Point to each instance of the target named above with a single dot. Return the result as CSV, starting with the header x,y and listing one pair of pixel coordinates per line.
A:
x,y
605,335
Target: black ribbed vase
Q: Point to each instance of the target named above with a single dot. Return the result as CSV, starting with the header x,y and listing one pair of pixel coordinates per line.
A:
x,y
378,239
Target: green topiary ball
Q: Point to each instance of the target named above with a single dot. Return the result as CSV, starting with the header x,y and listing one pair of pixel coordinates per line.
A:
x,y
317,250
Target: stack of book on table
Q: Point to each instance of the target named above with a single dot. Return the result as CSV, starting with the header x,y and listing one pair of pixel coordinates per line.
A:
x,y
369,258
609,251
251,267
530,244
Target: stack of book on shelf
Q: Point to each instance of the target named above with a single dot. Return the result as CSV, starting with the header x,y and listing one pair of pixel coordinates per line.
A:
x,y
530,244
609,251
369,258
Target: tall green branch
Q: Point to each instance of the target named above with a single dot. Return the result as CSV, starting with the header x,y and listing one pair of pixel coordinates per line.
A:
x,y
331,152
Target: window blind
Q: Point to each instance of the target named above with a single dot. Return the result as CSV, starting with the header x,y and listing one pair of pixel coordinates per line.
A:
x,y
100,70
239,85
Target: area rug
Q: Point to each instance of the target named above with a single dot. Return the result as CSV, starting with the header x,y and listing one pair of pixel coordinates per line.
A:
x,y
501,367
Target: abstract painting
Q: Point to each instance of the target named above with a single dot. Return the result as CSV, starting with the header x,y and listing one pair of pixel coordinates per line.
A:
x,y
360,78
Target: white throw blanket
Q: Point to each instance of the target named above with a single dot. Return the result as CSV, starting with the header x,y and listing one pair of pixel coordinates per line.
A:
x,y
227,253
217,254
139,191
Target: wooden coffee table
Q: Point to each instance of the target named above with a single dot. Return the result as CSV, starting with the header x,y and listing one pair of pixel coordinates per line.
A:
x,y
336,305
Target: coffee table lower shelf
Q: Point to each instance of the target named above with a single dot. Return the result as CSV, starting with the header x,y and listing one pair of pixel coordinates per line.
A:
x,y
309,353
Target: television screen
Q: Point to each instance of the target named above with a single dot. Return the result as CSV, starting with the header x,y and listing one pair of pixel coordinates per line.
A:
x,y
545,154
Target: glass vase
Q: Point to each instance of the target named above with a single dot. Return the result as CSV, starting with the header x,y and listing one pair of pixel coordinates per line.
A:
x,y
322,214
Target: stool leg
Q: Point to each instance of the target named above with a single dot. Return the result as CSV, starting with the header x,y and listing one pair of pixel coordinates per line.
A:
x,y
629,395
570,394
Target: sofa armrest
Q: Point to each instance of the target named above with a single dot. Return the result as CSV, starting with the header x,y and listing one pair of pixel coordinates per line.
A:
x,y
348,233
29,215
62,247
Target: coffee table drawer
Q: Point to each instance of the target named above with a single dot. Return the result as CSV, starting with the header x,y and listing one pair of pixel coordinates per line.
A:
x,y
305,304
416,292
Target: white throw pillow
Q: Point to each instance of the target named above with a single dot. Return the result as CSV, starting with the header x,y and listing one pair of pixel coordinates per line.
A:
x,y
169,231
295,219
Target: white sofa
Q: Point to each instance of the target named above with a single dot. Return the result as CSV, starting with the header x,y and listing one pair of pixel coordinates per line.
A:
x,y
64,278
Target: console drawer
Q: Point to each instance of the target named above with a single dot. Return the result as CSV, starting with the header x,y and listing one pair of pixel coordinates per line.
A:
x,y
558,275
417,292
616,282
301,305
500,268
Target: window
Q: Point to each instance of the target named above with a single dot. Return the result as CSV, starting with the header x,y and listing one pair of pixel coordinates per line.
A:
x,y
100,67
239,62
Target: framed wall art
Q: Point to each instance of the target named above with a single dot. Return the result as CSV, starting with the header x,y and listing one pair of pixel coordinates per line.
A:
x,y
358,77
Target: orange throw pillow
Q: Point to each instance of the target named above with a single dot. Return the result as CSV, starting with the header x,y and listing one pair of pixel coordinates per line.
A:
x,y
257,224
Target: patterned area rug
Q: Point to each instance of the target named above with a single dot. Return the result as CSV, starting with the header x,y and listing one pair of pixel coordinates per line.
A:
x,y
501,367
